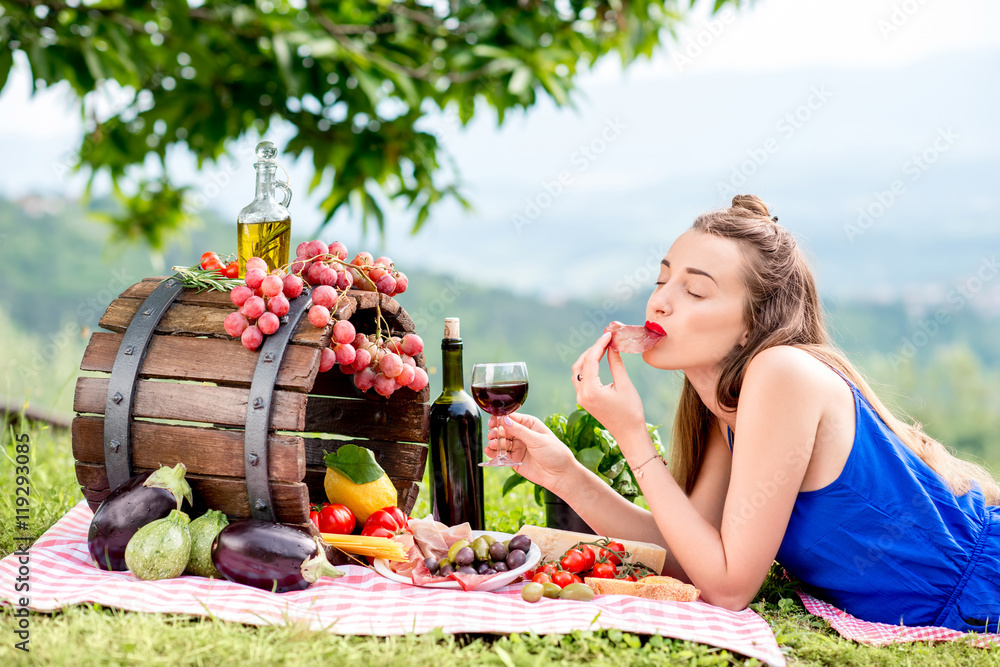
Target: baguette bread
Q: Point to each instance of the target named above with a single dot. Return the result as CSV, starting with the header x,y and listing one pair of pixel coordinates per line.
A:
x,y
652,588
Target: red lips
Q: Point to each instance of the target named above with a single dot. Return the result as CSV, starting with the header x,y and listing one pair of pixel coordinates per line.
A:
x,y
656,328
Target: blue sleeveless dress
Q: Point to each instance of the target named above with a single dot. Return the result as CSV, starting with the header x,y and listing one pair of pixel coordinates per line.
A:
x,y
888,541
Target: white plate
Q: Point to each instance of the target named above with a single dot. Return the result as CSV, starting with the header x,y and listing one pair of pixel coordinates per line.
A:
x,y
499,581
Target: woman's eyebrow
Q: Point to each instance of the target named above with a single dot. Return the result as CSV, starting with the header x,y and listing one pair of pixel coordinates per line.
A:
x,y
692,270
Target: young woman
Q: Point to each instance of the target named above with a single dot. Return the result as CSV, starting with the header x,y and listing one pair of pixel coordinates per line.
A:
x,y
780,449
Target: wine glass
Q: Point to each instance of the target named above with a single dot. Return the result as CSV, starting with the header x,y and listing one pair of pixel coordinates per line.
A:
x,y
500,389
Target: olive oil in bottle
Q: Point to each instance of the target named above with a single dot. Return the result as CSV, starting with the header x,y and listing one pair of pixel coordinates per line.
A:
x,y
264,227
456,442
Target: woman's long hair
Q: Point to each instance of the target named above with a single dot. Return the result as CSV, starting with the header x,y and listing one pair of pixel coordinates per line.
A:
x,y
783,308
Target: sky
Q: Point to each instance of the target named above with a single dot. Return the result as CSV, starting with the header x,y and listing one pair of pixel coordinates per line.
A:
x,y
820,83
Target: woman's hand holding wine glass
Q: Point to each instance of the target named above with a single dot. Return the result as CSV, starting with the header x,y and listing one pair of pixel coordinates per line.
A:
x,y
545,459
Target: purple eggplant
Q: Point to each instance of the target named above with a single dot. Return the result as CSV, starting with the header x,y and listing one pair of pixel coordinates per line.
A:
x,y
142,499
276,557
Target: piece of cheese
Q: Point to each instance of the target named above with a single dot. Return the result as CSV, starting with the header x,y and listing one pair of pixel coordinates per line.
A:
x,y
553,543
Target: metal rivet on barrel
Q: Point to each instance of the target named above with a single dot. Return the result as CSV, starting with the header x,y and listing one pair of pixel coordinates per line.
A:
x,y
171,283
117,398
147,312
260,505
380,417
268,357
258,403
253,459
130,350
115,446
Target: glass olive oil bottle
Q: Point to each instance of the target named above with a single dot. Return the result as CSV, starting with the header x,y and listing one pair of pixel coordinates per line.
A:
x,y
264,227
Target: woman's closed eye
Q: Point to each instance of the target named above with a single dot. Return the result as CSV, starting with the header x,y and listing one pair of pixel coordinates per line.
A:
x,y
660,283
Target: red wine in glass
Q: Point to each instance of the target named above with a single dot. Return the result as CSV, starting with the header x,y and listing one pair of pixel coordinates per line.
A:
x,y
500,389
500,398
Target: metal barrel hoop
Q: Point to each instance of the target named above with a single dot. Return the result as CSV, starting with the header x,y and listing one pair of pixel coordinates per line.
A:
x,y
259,402
125,377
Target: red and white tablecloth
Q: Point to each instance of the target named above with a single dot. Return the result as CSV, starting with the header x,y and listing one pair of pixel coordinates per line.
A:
x,y
882,634
363,602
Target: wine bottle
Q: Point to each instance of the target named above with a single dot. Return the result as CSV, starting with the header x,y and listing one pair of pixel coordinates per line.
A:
x,y
456,442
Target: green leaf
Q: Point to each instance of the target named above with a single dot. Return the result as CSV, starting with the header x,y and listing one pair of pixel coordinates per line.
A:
x,y
557,424
574,426
520,81
591,458
355,463
539,496
6,62
511,483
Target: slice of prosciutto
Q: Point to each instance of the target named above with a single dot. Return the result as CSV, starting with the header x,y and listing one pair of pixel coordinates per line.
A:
x,y
633,338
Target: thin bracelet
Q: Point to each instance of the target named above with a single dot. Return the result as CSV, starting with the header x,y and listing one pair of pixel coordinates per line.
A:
x,y
637,470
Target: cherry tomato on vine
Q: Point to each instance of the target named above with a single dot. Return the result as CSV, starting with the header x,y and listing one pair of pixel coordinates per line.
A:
x,y
604,570
314,517
590,556
231,270
541,578
562,578
574,561
209,260
609,555
547,569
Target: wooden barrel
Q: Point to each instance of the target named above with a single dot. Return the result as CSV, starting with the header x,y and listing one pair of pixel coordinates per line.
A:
x,y
190,406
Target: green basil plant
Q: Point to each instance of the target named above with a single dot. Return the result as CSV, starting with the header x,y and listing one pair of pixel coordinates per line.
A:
x,y
595,448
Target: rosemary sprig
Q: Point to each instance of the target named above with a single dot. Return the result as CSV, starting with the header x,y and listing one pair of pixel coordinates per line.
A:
x,y
195,277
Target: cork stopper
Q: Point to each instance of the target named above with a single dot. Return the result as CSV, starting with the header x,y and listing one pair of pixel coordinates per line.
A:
x,y
451,328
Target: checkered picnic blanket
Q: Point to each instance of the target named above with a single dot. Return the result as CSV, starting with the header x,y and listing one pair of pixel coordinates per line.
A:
x,y
365,603
882,634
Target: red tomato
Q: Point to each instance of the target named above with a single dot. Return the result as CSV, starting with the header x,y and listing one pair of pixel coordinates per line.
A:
x,y
214,264
590,556
336,519
630,577
562,578
232,270
577,579
604,571
548,568
607,554
390,518
208,256
377,531
541,578
314,517
574,561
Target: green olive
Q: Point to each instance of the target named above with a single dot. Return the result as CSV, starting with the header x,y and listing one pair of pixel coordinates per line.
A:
x,y
481,548
551,590
455,548
532,592
581,592
489,538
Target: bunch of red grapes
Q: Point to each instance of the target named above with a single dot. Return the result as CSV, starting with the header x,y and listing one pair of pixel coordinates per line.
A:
x,y
385,364
320,264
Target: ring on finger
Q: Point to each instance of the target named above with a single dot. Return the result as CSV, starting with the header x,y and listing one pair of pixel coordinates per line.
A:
x,y
579,377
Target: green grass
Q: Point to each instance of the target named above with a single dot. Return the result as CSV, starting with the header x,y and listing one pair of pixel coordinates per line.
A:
x,y
92,635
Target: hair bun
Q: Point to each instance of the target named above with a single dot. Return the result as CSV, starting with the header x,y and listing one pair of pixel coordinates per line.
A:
x,y
753,204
